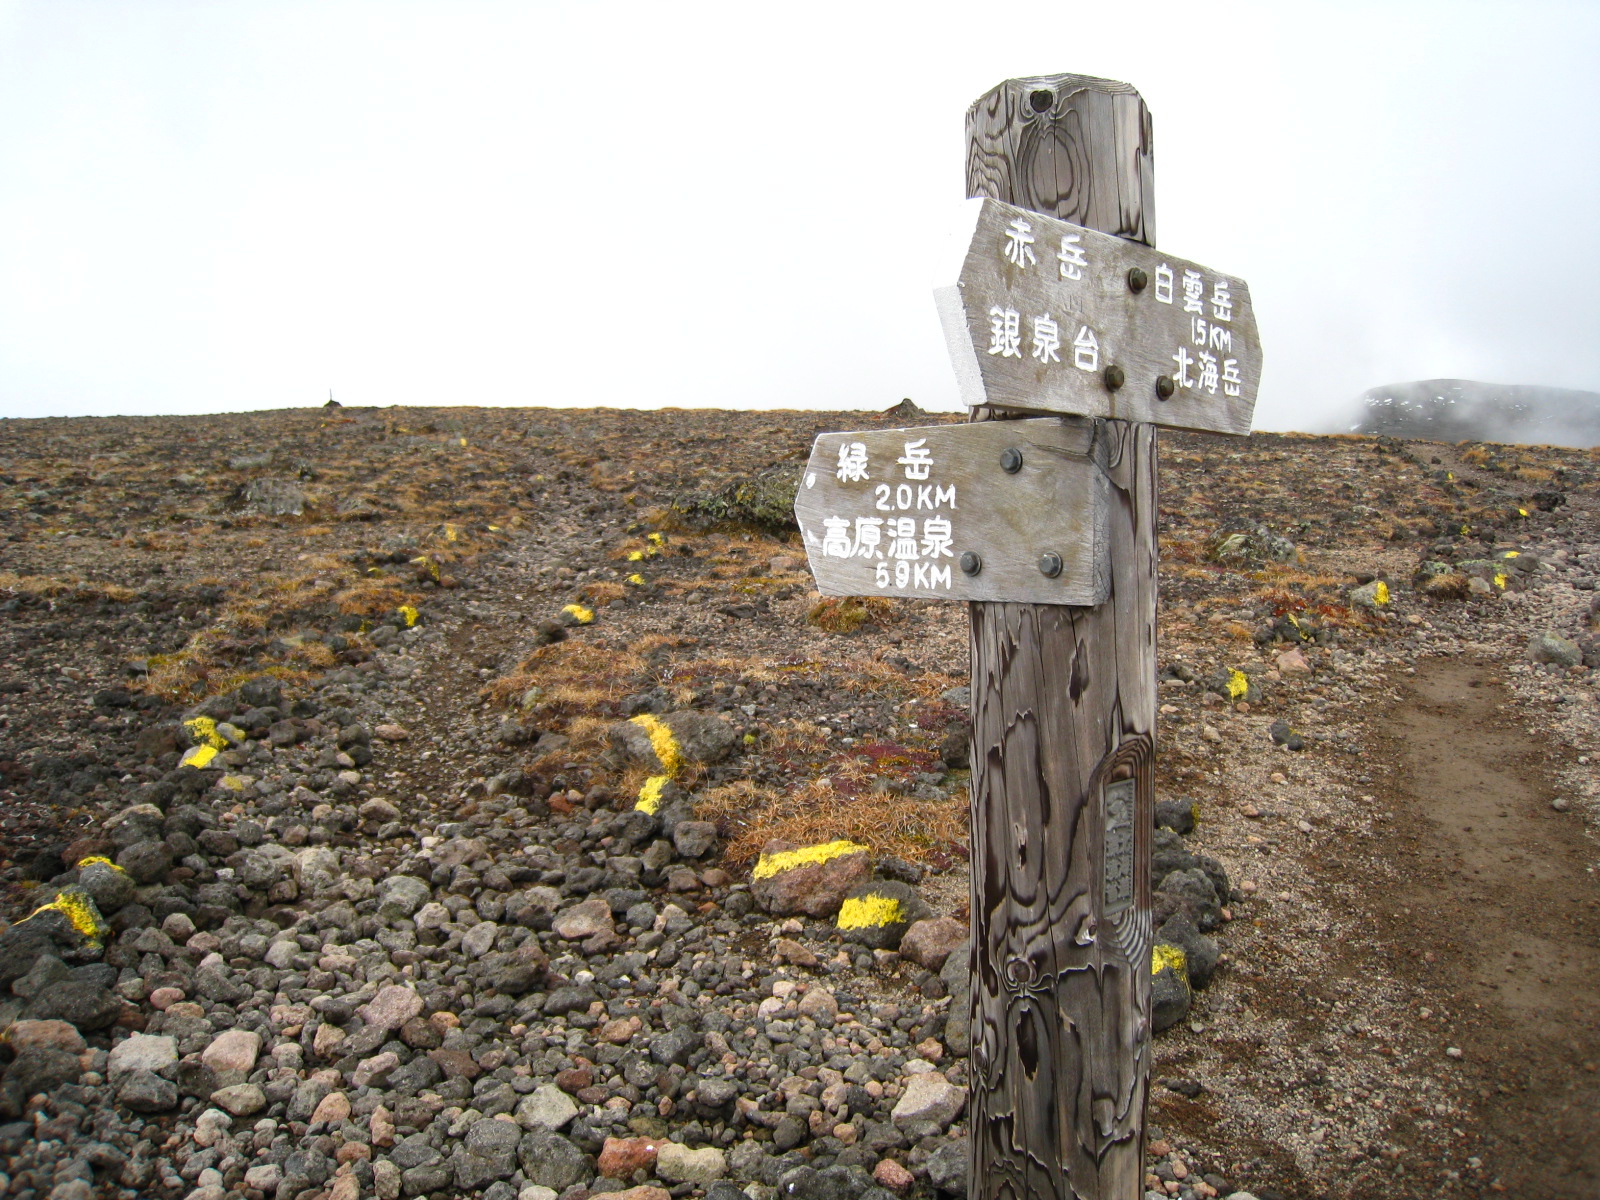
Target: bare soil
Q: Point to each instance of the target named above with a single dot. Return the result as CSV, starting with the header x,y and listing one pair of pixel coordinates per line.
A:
x,y
1498,920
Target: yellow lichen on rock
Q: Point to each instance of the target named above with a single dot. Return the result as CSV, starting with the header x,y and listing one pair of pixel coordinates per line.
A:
x,y
77,906
580,614
650,794
662,742
864,912
203,732
1163,957
199,758
770,864
1238,685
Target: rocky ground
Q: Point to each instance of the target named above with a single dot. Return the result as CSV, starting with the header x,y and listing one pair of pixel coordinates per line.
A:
x,y
473,802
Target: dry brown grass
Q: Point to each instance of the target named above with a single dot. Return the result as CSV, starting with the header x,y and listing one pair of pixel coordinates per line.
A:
x,y
373,597
600,592
751,815
846,614
1534,474
51,587
576,677
730,670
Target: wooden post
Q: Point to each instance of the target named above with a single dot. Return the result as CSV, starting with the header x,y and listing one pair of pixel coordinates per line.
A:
x,y
1063,717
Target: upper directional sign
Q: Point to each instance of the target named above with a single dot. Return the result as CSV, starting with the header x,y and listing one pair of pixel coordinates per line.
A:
x,y
1052,317
994,510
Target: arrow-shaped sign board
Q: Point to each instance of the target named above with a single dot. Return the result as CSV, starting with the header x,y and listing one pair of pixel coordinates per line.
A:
x,y
1052,317
995,510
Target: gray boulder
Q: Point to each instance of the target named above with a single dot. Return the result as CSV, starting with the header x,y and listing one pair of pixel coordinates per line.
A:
x,y
551,1161
947,1167
1552,648
1191,891
146,862
877,914
80,1003
108,887
1200,952
488,1153
37,1069
146,1092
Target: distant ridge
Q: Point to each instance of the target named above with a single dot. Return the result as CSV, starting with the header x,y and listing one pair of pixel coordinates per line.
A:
x,y
1455,410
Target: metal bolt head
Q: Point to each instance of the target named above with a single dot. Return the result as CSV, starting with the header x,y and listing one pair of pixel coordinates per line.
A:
x,y
1011,460
1114,377
971,562
1137,279
1165,387
1050,564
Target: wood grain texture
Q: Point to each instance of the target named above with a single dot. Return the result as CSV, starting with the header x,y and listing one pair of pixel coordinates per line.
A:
x,y
1063,703
1086,158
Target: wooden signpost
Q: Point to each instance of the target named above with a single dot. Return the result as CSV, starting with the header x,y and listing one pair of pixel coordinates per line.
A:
x,y
1063,627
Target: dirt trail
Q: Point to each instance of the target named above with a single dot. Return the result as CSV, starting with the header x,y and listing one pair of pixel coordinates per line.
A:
x,y
1497,922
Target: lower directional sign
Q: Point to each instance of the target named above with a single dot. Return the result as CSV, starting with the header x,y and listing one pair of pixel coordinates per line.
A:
x,y
996,510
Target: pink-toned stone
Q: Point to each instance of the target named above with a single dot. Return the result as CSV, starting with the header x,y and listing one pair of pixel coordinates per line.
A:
x,y
574,1079
1292,662
164,998
620,1030
327,1040
48,1035
392,1007
381,1126
456,1064
392,733
892,1175
233,1051
819,1004
833,1096
813,888
345,1187
591,918
787,950
643,1192
621,1157
334,1108
353,1152
928,943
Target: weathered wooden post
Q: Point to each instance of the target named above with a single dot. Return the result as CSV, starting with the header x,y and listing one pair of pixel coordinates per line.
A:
x,y
1047,527
1063,725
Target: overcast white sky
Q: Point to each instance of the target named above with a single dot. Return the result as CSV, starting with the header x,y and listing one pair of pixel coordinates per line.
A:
x,y
216,206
